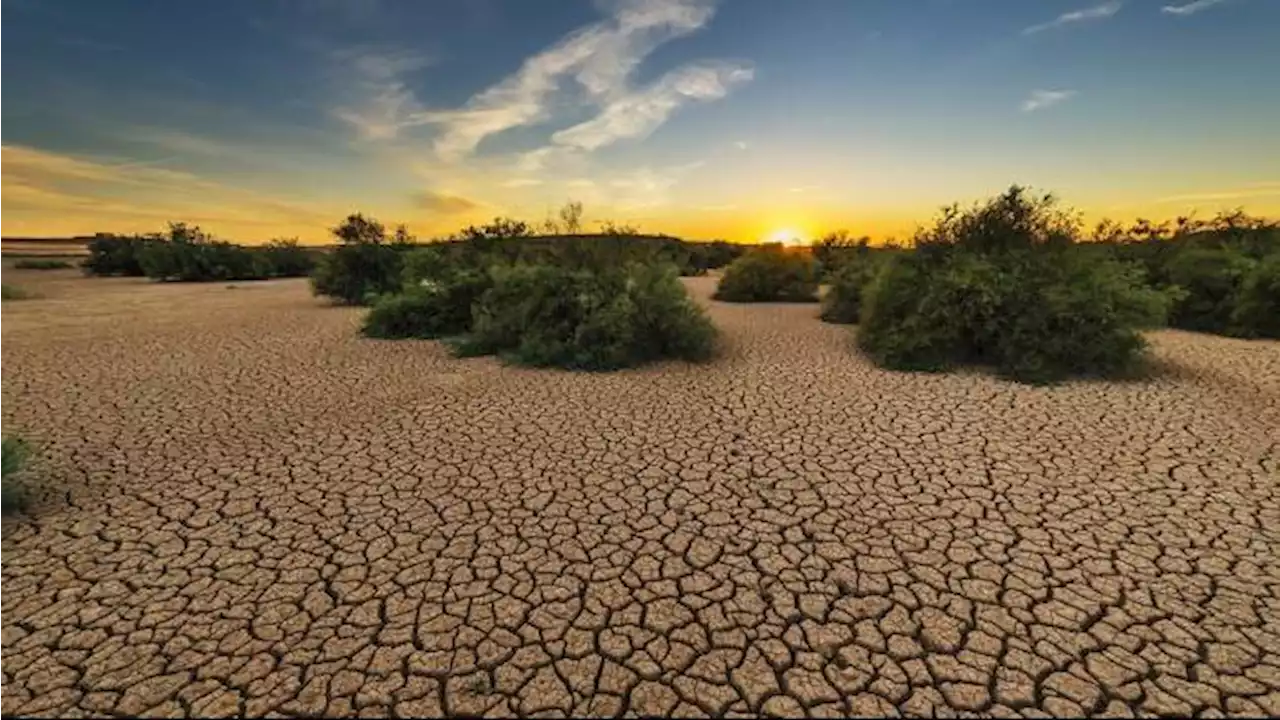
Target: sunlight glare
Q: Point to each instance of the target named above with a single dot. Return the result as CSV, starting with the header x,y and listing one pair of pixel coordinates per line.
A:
x,y
787,236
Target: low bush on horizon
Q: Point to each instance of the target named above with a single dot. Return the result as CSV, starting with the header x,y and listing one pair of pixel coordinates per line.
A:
x,y
188,254
116,254
1004,285
14,456
365,266
770,273
41,264
552,316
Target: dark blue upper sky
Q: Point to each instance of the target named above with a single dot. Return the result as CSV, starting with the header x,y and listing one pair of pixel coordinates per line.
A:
x,y
266,116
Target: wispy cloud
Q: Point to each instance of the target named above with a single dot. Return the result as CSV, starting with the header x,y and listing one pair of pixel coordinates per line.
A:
x,y
740,144
384,99
1255,190
601,58
1190,8
1041,99
1097,12
636,114
443,203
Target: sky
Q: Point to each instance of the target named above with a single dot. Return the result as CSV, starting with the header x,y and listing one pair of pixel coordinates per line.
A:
x,y
736,119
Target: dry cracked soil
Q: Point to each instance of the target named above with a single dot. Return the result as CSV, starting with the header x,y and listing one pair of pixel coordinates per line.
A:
x,y
249,509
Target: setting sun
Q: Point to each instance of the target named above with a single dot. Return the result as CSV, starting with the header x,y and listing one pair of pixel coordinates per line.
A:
x,y
786,236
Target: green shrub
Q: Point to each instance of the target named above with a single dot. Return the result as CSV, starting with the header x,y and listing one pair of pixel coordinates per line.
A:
x,y
770,274
1257,308
116,254
843,301
363,267
428,309
546,315
1004,285
1211,280
14,454
41,264
13,292
285,258
203,261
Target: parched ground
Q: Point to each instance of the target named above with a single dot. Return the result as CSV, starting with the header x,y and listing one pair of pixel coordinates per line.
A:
x,y
250,509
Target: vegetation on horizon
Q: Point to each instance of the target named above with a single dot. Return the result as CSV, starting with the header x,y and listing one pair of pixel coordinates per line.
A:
x,y
185,253
770,273
41,264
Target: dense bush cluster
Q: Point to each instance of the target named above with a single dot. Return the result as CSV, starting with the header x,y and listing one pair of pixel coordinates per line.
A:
x,y
14,455
1214,269
188,254
572,315
1004,284
116,254
1257,306
547,315
770,273
41,264
436,300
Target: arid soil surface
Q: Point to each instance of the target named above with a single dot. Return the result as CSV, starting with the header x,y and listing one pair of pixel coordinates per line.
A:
x,y
251,509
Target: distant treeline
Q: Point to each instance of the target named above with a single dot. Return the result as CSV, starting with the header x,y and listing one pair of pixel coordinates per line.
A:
x,y
187,253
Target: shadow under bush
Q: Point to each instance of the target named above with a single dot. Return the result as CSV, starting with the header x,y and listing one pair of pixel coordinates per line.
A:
x,y
544,315
1004,285
770,273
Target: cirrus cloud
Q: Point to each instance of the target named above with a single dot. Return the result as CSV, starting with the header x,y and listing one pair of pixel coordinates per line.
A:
x,y
1097,12
600,58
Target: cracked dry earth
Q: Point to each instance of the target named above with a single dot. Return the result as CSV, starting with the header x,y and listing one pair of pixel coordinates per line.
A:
x,y
251,509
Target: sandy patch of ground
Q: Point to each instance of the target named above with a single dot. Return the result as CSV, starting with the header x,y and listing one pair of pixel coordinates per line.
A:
x,y
251,509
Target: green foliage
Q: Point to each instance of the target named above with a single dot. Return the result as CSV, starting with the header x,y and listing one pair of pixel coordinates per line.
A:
x,y
364,266
843,301
41,264
191,255
1210,280
286,258
1257,309
117,254
714,254
770,273
428,309
13,292
188,254
836,249
14,455
547,315
1003,284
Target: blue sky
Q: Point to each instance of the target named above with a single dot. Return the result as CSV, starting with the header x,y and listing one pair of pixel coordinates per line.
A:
x,y
737,118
